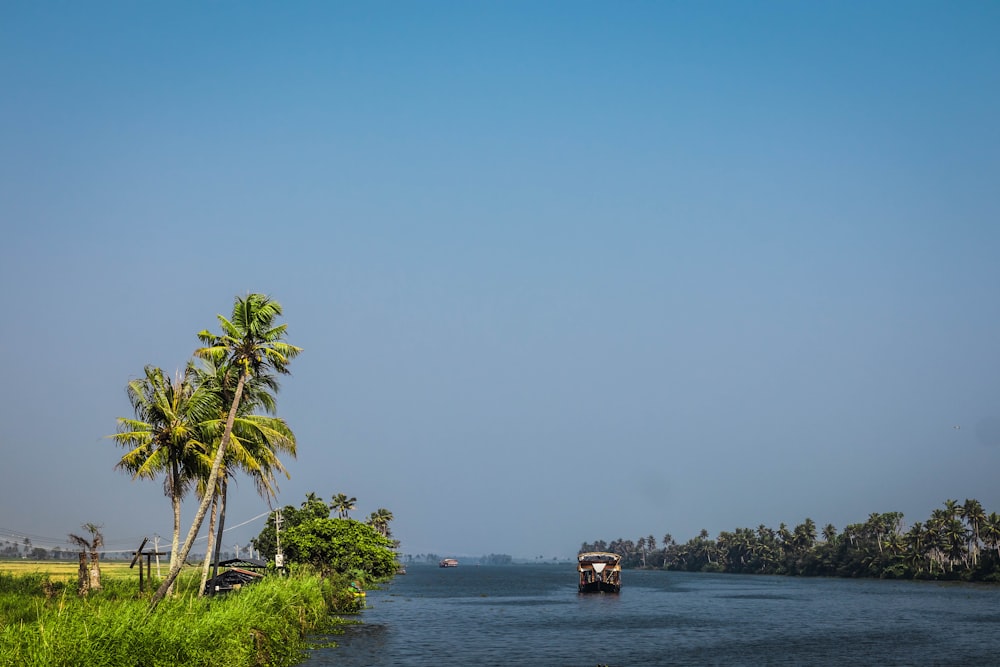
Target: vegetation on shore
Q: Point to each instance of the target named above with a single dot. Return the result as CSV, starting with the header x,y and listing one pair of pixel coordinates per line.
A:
x,y
195,432
311,536
44,623
958,542
199,429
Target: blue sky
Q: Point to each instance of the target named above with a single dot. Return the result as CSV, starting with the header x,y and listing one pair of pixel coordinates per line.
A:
x,y
561,271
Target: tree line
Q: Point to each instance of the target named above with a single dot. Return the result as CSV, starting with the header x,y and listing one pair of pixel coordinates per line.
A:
x,y
959,541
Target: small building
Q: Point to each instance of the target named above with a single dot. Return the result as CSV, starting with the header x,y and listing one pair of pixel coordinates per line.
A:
x,y
240,572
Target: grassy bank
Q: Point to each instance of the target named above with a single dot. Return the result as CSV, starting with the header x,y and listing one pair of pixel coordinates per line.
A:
x,y
43,622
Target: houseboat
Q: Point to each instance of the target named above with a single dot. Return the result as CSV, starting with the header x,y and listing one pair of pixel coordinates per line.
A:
x,y
600,572
448,562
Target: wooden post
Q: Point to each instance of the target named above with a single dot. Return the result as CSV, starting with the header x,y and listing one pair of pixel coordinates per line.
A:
x,y
137,555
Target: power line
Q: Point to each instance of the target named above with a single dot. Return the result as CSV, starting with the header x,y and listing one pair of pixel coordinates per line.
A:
x,y
119,543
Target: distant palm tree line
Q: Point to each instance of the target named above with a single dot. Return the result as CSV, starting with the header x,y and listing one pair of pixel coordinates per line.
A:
x,y
959,541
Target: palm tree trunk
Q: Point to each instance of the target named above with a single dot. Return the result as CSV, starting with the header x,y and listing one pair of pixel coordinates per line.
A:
x,y
223,492
206,563
206,499
175,502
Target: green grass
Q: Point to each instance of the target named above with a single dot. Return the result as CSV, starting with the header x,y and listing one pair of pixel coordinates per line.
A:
x,y
43,622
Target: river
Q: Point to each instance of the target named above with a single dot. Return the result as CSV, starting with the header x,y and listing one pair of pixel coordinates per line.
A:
x,y
533,615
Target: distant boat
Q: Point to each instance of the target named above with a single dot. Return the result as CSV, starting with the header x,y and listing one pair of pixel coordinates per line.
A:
x,y
448,562
600,572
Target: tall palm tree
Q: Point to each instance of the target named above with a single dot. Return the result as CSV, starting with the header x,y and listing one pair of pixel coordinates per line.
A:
x,y
916,547
991,531
804,536
342,504
253,343
166,435
974,514
640,544
379,520
254,445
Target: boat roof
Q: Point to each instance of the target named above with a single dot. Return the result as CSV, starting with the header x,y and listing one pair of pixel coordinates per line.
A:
x,y
598,557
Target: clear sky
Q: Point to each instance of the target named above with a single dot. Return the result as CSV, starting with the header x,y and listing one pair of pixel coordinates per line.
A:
x,y
561,271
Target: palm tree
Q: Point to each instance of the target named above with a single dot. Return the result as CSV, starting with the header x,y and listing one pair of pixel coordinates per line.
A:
x,y
342,504
991,531
916,547
254,344
166,435
956,539
254,445
804,536
974,514
379,520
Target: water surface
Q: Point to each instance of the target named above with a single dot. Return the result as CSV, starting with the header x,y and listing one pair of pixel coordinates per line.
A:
x,y
532,615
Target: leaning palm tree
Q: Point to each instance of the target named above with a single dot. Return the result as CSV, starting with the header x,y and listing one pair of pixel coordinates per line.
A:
x,y
254,344
254,446
165,437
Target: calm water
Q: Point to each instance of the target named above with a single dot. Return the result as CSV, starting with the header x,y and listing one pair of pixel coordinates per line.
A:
x,y
532,615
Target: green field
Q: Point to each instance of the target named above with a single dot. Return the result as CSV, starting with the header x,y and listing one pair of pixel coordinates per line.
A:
x,y
66,570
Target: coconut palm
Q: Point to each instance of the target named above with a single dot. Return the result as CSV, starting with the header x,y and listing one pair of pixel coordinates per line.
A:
x,y
342,504
991,532
254,446
166,435
379,520
254,344
255,443
974,514
916,547
804,536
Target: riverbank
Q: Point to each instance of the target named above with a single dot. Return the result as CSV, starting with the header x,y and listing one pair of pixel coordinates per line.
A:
x,y
43,622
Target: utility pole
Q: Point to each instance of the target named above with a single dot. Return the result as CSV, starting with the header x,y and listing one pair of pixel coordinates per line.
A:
x,y
237,547
279,558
